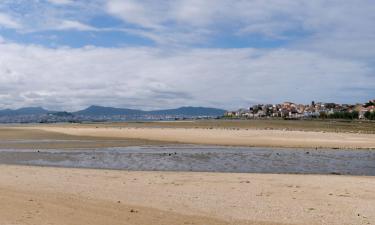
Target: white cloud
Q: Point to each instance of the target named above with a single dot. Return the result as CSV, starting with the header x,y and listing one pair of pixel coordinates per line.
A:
x,y
61,2
135,12
318,22
74,25
8,22
158,78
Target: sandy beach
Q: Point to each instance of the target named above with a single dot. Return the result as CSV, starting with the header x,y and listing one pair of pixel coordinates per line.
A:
x,y
98,197
233,137
46,195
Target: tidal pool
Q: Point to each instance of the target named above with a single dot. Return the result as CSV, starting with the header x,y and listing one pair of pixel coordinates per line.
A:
x,y
202,159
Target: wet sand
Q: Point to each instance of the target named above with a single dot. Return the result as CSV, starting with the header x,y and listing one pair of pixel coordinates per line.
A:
x,y
237,137
16,137
32,195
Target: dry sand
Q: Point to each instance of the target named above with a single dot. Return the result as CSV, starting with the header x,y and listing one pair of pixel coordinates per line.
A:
x,y
19,138
237,137
341,126
33,195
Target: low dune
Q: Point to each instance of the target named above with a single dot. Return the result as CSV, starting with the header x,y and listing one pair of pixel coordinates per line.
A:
x,y
232,137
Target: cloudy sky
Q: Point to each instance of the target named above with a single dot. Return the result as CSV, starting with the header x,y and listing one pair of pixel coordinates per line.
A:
x,y
154,54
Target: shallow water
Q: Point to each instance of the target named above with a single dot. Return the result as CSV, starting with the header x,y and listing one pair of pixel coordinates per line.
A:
x,y
203,159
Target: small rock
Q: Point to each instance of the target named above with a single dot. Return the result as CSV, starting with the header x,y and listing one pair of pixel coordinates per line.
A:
x,y
335,173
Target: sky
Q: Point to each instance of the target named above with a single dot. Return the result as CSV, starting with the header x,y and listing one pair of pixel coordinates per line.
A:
x,y
157,54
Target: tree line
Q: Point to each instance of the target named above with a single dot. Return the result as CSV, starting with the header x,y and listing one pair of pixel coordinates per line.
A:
x,y
370,115
346,115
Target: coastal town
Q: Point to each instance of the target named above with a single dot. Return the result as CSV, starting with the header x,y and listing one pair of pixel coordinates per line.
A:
x,y
290,110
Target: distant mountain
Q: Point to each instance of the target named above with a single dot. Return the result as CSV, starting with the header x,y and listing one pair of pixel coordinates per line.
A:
x,y
106,111
38,114
24,111
190,111
183,111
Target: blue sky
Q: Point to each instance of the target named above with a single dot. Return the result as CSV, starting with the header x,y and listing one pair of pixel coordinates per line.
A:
x,y
69,54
